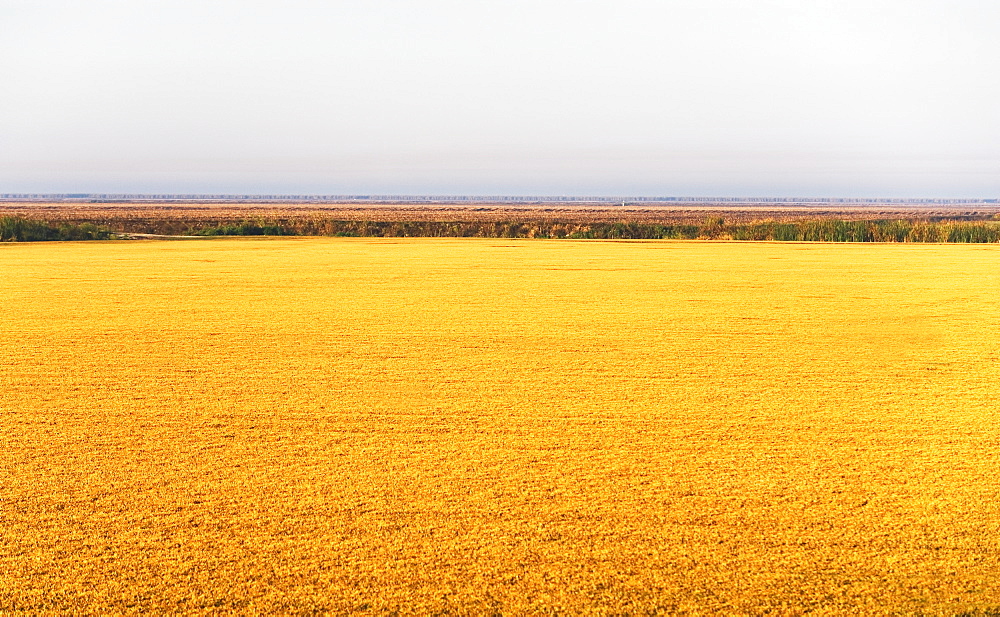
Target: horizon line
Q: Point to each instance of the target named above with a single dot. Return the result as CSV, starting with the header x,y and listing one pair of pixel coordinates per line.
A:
x,y
469,198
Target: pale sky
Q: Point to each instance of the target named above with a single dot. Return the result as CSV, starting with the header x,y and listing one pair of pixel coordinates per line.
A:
x,y
894,98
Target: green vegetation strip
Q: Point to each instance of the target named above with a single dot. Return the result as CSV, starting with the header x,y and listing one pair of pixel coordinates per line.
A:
x,y
824,230
21,229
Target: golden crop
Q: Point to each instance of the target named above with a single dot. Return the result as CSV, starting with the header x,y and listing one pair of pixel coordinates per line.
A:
x,y
516,426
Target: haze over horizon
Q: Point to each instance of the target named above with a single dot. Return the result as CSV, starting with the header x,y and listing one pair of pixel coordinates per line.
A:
x,y
826,98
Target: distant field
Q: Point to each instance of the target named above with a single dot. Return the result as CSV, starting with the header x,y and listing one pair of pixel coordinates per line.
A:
x,y
979,223
175,217
468,425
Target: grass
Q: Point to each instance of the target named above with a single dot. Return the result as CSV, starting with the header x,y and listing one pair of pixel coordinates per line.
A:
x,y
21,229
470,426
818,230
246,228
712,228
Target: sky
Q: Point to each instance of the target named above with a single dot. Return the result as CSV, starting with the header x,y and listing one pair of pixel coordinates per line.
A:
x,y
826,98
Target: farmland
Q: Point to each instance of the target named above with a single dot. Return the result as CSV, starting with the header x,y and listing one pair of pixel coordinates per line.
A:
x,y
81,220
474,425
160,217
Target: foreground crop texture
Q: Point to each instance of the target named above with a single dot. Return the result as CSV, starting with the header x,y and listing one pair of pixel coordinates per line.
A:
x,y
478,425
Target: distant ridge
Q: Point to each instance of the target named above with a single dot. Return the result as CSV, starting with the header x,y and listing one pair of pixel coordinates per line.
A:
x,y
452,199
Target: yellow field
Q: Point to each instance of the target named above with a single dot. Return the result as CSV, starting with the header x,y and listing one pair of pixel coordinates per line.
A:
x,y
483,425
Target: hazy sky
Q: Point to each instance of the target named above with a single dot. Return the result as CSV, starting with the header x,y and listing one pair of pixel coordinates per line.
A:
x,y
636,97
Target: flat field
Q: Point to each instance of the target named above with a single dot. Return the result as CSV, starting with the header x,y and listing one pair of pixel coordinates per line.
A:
x,y
472,426
172,218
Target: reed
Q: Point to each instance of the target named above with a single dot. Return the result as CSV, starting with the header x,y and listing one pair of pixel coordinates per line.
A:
x,y
21,229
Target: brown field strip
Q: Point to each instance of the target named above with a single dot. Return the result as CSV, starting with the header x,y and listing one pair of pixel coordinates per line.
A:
x,y
145,217
424,426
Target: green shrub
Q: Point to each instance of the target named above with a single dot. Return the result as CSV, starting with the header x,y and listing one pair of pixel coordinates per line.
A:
x,y
21,229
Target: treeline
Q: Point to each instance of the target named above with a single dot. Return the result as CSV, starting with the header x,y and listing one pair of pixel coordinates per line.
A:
x,y
817,230
20,229
821,230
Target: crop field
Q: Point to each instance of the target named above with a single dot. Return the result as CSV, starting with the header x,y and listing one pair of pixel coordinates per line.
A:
x,y
174,218
479,426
